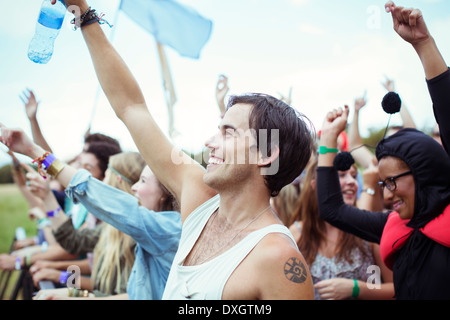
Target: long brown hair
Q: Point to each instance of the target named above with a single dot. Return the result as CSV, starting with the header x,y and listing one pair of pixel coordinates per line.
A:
x,y
313,232
114,253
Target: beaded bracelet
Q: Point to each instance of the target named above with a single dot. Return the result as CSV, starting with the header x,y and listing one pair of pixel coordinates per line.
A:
x,y
49,162
40,161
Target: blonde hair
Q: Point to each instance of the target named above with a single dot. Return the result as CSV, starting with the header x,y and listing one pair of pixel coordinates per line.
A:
x,y
114,252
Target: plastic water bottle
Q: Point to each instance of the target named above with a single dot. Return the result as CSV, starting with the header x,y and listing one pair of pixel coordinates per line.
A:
x,y
48,26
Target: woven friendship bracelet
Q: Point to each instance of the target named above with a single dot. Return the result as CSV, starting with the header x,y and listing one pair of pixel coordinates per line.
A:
x,y
40,160
52,165
87,18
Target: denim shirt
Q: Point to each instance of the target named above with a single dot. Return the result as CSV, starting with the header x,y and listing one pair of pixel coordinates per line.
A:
x,y
157,234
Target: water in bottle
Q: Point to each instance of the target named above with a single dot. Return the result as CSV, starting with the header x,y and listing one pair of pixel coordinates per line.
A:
x,y
48,26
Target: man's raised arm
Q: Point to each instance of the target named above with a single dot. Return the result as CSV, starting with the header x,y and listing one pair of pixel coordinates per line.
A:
x,y
176,170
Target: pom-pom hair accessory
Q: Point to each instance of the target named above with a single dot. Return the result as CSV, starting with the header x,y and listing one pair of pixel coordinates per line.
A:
x,y
343,161
391,104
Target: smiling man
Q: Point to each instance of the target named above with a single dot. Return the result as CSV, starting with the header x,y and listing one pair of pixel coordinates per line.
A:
x,y
233,246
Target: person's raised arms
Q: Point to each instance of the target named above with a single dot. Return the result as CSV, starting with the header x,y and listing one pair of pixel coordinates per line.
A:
x,y
31,106
410,26
181,175
17,141
335,122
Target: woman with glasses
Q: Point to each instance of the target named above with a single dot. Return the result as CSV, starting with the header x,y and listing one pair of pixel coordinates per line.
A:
x,y
414,171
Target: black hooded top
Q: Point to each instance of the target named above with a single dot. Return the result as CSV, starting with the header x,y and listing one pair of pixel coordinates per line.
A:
x,y
422,266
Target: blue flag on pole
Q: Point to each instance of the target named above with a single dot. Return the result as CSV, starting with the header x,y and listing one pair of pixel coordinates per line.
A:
x,y
171,23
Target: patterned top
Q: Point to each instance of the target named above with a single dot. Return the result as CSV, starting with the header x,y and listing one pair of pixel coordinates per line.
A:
x,y
328,268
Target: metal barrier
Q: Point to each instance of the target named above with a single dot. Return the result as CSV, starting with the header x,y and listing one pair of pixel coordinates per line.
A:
x,y
25,280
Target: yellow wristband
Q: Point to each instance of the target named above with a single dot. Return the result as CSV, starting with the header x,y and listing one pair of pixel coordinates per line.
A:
x,y
55,168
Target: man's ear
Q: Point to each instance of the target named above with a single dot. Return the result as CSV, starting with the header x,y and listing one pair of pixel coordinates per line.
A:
x,y
267,160
269,164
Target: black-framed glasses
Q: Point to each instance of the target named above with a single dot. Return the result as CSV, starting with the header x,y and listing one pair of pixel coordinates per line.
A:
x,y
390,183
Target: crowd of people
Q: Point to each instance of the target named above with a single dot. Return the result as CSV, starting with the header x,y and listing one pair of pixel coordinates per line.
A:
x,y
277,213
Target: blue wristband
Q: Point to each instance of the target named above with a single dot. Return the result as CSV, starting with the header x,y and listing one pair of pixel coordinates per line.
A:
x,y
18,264
63,277
53,213
48,160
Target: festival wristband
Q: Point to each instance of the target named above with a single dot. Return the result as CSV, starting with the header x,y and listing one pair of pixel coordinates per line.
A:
x,y
44,246
53,213
44,222
324,150
48,160
55,168
63,277
18,264
355,292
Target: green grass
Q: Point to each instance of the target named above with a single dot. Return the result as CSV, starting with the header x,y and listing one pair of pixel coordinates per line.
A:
x,y
13,214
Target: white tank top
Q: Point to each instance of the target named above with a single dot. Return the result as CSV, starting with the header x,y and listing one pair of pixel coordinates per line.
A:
x,y
207,280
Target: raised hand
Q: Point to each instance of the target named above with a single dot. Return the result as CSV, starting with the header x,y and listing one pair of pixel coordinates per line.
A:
x,y
17,141
39,186
335,122
408,23
360,103
30,102
389,84
221,91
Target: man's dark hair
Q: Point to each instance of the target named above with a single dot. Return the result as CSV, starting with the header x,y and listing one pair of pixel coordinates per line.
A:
x,y
100,137
102,150
295,137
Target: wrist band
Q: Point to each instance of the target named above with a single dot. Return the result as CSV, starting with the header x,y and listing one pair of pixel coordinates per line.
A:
x,y
55,168
87,18
63,277
44,222
324,150
44,246
53,213
18,264
48,160
355,292
40,161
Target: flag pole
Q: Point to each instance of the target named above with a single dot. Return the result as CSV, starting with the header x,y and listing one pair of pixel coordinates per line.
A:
x,y
168,86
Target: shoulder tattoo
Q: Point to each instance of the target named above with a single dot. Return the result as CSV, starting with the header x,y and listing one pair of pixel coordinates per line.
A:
x,y
295,270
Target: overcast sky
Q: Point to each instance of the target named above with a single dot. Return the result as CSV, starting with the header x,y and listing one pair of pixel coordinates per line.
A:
x,y
328,51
